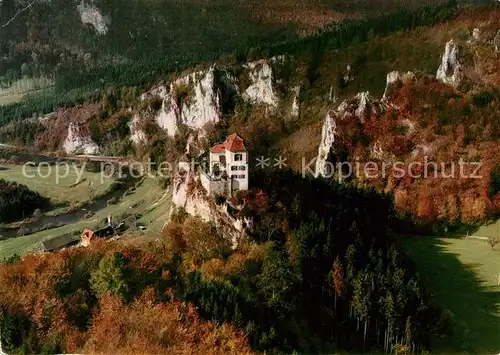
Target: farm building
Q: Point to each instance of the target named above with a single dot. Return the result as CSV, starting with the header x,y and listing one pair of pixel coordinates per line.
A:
x,y
60,242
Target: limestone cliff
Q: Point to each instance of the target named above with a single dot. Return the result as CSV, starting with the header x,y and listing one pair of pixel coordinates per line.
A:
x,y
393,80
261,87
196,100
190,195
328,133
76,143
451,69
192,100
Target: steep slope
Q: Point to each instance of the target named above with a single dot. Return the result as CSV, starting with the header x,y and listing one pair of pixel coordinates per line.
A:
x,y
355,103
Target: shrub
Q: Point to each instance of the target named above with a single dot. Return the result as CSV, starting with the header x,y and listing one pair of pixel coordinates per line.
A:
x,y
482,99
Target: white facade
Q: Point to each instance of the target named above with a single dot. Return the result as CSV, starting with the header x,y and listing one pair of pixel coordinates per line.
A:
x,y
228,162
234,164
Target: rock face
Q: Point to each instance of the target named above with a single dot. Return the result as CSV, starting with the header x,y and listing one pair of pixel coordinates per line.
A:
x,y
203,107
496,42
476,34
192,100
328,133
261,87
187,194
181,180
137,135
89,14
450,70
360,107
195,100
295,104
76,143
167,118
393,79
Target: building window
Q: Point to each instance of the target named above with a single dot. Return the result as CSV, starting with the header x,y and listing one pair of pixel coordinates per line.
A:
x,y
238,157
243,167
233,168
241,176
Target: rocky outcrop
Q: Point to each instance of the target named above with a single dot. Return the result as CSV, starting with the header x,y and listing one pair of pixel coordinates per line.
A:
x,y
137,135
328,133
261,84
202,104
476,34
182,178
496,42
89,14
188,194
76,143
192,100
450,71
167,118
196,99
361,107
394,79
295,103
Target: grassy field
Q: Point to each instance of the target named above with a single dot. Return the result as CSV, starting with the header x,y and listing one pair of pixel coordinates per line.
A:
x,y
10,99
462,275
488,230
19,88
65,190
149,200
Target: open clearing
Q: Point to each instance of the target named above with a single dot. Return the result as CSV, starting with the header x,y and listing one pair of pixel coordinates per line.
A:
x,y
10,99
462,275
148,200
65,190
19,88
488,230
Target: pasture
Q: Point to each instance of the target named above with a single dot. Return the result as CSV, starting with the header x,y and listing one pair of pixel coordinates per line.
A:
x,y
462,274
148,204
71,186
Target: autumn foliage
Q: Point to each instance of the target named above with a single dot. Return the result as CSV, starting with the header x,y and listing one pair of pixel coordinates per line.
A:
x,y
48,304
431,128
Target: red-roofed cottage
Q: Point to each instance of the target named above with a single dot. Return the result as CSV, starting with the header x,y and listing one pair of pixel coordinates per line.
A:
x,y
229,161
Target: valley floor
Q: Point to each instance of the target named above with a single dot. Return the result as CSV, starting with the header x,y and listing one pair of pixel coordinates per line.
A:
x,y
463,275
147,205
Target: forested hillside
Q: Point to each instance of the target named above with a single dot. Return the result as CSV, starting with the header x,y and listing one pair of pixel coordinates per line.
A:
x,y
313,277
83,63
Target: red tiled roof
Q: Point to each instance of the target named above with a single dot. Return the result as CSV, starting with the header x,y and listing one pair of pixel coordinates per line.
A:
x,y
233,143
219,148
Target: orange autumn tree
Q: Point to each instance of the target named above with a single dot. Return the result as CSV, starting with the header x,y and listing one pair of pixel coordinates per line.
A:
x,y
48,305
148,327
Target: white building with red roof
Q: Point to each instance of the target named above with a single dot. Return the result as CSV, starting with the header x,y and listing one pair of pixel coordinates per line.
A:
x,y
228,168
